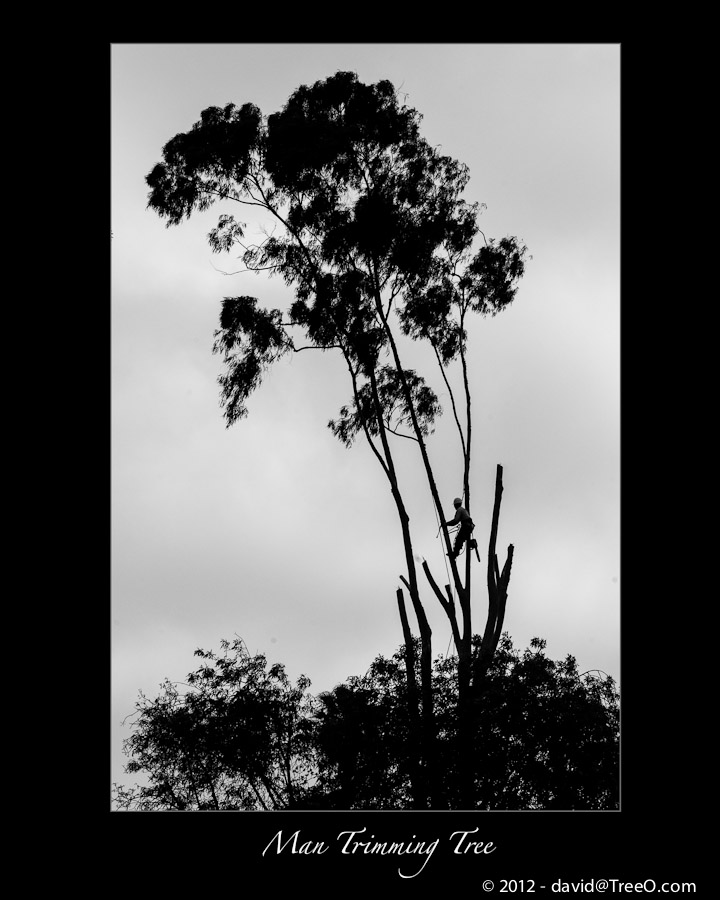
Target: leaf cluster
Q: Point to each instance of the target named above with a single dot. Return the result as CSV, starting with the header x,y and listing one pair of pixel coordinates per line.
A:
x,y
250,340
207,163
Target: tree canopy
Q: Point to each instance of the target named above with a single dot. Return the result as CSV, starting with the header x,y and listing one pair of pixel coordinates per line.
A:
x,y
238,735
370,218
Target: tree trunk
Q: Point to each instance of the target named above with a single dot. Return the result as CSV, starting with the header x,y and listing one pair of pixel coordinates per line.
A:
x,y
418,778
428,716
465,718
429,739
471,671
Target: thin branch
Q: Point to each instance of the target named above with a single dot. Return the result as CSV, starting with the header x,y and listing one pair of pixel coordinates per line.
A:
x,y
466,383
399,434
271,209
353,375
315,347
246,269
447,605
452,398
257,793
223,195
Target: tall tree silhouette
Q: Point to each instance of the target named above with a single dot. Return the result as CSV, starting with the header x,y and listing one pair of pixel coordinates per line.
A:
x,y
377,244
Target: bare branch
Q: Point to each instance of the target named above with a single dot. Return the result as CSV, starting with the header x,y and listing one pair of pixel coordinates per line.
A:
x,y
315,347
246,269
452,399
399,434
386,464
448,606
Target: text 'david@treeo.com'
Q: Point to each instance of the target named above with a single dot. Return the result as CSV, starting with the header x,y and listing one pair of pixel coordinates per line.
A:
x,y
589,886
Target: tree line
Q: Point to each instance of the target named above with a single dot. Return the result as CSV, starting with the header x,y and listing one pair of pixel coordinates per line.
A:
x,y
237,734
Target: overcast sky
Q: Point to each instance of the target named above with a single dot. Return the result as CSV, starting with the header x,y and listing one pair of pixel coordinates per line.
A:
x,y
271,530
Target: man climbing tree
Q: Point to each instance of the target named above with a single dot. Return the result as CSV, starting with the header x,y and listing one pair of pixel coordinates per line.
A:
x,y
371,231
465,529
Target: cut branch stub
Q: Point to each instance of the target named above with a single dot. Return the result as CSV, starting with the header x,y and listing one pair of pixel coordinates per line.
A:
x,y
497,583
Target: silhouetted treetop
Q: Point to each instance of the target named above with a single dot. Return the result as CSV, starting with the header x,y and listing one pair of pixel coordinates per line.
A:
x,y
369,218
209,162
